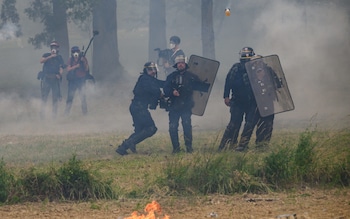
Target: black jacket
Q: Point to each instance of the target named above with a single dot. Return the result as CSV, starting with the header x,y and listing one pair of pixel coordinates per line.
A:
x,y
146,91
185,84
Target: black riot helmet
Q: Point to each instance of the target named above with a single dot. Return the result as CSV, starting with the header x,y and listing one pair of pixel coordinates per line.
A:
x,y
175,39
149,66
246,54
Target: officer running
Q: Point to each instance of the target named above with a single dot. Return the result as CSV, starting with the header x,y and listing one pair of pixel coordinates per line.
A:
x,y
146,95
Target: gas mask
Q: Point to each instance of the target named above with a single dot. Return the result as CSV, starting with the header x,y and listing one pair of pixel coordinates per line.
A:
x,y
53,51
171,45
76,55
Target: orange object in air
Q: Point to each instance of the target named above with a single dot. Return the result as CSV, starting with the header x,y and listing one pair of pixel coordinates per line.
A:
x,y
227,12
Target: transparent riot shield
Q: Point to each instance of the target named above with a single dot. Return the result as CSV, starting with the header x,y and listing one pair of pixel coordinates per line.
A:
x,y
269,85
206,69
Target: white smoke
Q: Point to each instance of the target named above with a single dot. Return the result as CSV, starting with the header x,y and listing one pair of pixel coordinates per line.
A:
x,y
8,31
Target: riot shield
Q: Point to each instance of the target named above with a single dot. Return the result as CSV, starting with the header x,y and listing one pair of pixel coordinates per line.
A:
x,y
269,85
206,69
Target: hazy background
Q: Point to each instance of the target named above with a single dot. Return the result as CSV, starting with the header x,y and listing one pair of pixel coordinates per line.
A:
x,y
311,40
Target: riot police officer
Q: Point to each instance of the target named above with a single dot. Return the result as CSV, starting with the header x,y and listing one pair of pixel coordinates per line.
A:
x,y
239,96
52,74
146,95
264,82
179,87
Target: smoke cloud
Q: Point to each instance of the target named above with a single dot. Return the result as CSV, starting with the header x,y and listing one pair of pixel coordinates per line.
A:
x,y
311,40
8,31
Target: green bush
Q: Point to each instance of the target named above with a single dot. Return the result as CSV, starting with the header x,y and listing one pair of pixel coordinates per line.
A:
x,y
39,185
213,173
277,167
304,156
78,183
71,181
5,182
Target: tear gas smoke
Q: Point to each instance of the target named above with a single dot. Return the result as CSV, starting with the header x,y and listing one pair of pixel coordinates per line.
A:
x,y
8,31
312,42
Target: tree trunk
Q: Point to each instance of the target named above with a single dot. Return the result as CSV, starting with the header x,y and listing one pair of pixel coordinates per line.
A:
x,y
208,43
105,64
157,28
61,29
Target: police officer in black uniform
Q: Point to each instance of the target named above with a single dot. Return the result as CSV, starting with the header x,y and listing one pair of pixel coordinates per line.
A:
x,y
52,74
146,95
179,87
239,96
265,82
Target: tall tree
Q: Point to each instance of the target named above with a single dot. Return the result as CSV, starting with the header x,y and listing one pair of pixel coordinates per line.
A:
x,y
157,28
106,65
208,40
52,13
60,27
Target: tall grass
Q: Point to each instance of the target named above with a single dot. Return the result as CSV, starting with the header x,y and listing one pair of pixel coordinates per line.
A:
x,y
71,181
312,158
285,165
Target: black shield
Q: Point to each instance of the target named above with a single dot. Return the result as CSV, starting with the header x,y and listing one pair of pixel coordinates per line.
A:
x,y
269,85
206,69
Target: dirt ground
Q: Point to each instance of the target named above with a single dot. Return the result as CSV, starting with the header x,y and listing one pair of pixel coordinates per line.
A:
x,y
309,203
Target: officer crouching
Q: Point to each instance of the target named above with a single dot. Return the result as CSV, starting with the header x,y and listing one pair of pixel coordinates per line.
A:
x,y
146,95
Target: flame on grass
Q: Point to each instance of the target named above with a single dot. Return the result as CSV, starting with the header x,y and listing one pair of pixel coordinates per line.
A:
x,y
152,210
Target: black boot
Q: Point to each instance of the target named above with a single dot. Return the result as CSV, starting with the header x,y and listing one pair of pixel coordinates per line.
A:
x,y
132,148
176,150
122,149
189,149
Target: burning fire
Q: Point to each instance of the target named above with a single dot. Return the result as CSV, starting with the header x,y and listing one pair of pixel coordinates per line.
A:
x,y
151,209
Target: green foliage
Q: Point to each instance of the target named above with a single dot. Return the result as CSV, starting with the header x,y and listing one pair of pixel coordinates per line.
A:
x,y
78,183
303,156
76,10
214,173
309,158
40,185
70,182
5,182
284,166
9,15
277,166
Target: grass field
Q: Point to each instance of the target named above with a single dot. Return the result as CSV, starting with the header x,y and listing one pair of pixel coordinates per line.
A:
x,y
140,178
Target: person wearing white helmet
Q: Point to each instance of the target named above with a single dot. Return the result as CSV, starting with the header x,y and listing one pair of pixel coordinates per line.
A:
x,y
179,87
